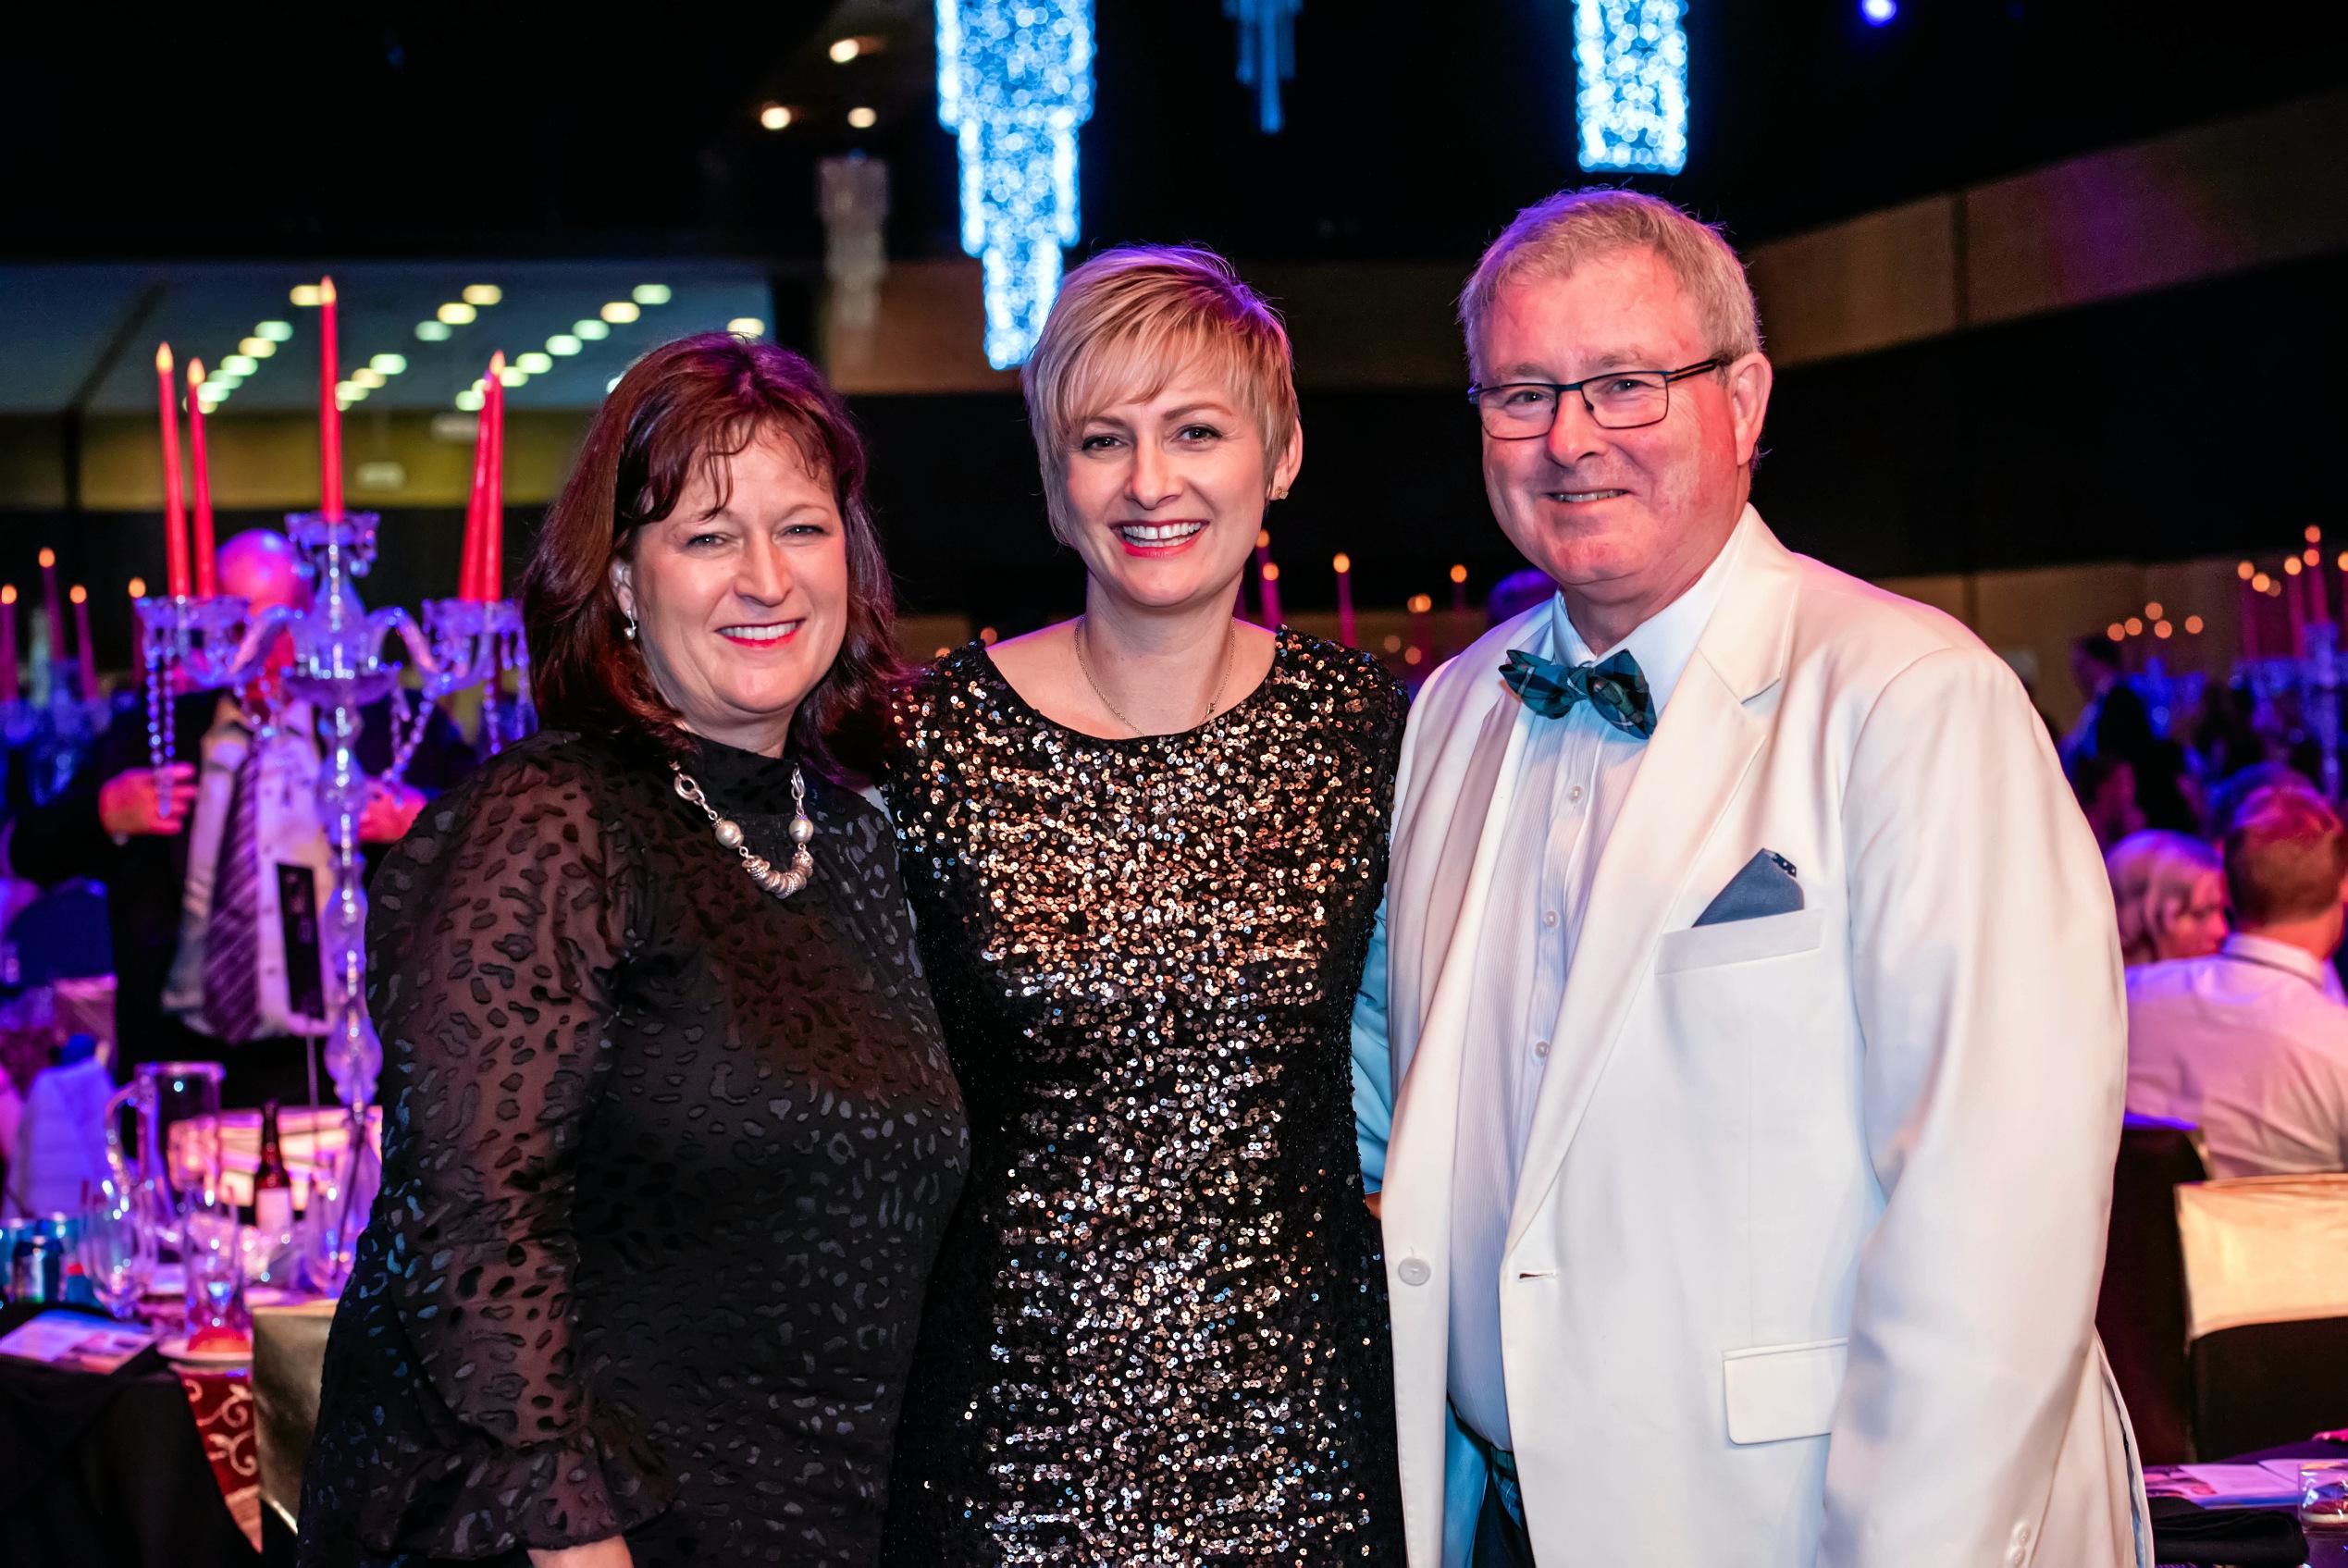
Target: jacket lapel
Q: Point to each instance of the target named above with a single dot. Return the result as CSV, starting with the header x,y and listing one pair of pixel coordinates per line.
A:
x,y
1485,792
1700,755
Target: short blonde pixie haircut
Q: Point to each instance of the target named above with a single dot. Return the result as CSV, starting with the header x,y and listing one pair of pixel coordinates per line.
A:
x,y
1552,238
1131,320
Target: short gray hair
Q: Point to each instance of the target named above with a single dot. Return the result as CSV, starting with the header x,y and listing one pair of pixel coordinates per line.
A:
x,y
1552,238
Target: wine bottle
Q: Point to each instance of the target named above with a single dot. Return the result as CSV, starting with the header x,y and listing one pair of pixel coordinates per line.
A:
x,y
272,1187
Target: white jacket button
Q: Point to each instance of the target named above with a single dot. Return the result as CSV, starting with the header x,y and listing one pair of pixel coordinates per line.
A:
x,y
1414,1271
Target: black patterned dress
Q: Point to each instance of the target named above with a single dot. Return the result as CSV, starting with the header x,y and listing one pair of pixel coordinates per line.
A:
x,y
1157,1331
666,1164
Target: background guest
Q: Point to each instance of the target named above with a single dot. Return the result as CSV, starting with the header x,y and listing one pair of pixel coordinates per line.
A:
x,y
2171,892
670,1135
2234,791
2106,790
2247,1043
2165,775
2096,671
2225,736
216,950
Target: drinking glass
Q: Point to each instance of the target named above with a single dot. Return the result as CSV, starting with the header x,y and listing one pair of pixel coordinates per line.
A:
x,y
116,1249
213,1256
345,1175
2323,1512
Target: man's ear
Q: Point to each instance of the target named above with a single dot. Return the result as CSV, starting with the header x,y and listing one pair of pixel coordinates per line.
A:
x,y
1750,380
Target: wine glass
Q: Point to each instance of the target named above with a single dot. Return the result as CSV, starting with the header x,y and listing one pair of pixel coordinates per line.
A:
x,y
116,1249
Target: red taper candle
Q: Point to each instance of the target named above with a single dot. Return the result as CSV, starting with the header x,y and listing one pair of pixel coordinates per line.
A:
x,y
493,499
56,610
200,472
9,689
89,655
175,516
469,564
329,409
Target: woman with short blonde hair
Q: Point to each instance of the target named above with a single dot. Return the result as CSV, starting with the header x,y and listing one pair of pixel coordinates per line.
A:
x,y
1146,846
2171,892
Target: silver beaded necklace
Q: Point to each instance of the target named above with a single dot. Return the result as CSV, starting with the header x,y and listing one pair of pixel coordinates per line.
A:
x,y
780,884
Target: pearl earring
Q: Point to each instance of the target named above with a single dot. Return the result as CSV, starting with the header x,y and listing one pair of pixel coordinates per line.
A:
x,y
631,623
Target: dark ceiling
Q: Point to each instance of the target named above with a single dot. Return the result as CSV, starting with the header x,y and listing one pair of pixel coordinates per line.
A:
x,y
367,130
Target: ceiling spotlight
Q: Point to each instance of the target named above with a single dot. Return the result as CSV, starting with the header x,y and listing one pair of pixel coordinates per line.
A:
x,y
1878,13
562,343
224,381
470,399
456,313
238,365
275,331
304,294
513,376
389,365
534,363
432,331
256,348
621,311
351,392
650,294
367,375
862,119
138,587
774,117
483,294
613,384
590,330
845,49
746,326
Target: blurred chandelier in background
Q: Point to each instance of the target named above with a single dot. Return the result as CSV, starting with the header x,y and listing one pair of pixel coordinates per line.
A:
x,y
855,200
1267,53
1631,56
1014,82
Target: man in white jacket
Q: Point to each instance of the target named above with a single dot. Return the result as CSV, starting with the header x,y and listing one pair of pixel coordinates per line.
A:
x,y
1748,991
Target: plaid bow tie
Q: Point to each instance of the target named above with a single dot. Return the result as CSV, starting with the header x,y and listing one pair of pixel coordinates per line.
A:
x,y
1612,686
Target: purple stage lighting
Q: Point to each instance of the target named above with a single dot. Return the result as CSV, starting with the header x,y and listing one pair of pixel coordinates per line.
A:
x,y
1878,13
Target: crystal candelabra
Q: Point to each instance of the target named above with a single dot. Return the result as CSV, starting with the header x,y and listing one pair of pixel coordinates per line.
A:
x,y
338,665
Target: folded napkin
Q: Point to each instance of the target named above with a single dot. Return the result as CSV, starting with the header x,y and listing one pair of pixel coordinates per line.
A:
x,y
2247,1537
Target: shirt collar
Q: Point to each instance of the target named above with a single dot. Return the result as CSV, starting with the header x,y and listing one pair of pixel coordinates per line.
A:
x,y
2279,954
1665,641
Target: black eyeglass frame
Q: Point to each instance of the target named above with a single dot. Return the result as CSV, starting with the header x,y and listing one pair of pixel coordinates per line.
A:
x,y
1476,397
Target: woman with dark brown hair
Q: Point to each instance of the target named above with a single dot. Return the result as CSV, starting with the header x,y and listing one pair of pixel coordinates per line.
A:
x,y
670,1134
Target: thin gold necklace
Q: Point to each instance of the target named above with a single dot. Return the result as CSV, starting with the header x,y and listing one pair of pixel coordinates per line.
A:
x,y
1214,699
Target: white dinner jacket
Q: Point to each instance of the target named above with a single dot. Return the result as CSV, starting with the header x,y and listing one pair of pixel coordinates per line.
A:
x,y
1802,1266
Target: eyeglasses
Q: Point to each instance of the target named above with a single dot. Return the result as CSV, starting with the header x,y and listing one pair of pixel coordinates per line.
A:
x,y
1619,400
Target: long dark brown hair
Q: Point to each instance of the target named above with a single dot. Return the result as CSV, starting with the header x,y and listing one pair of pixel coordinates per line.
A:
x,y
692,406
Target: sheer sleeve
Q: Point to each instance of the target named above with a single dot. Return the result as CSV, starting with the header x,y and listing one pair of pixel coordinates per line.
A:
x,y
500,925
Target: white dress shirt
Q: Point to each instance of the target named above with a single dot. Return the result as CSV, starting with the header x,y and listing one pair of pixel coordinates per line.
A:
x,y
1582,768
2247,1045
287,835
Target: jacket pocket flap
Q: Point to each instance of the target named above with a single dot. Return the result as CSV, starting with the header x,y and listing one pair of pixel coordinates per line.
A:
x,y
1780,1391
1737,941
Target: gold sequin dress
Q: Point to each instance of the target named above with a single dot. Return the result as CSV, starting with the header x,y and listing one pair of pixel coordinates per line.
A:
x,y
1158,1330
